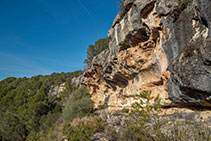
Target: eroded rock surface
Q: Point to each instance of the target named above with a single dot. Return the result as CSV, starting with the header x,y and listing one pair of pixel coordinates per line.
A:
x,y
55,91
191,74
155,45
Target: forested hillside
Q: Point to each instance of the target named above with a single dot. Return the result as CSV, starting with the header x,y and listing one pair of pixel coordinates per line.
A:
x,y
26,106
30,108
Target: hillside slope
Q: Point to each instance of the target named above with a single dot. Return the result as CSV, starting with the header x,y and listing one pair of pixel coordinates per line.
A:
x,y
29,107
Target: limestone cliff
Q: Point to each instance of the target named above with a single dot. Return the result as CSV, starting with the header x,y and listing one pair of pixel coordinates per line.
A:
x,y
155,45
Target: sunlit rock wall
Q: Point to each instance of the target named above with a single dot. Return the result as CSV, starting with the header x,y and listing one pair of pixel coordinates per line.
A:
x,y
155,45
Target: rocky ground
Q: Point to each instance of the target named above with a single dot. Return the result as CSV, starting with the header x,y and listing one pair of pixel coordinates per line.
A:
x,y
176,124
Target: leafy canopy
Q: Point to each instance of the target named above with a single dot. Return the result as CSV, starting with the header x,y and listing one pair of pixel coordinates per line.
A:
x,y
25,104
93,50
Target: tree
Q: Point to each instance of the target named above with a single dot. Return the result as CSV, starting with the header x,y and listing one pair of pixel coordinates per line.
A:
x,y
96,49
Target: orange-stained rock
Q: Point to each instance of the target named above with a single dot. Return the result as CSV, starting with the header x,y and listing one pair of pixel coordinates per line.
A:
x,y
139,66
147,42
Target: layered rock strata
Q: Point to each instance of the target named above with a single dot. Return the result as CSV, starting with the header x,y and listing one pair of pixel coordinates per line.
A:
x,y
155,45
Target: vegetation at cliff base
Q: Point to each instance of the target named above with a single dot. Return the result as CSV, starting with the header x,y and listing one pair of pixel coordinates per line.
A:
x,y
83,128
145,123
78,104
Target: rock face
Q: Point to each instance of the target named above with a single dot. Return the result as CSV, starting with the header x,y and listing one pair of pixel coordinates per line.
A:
x,y
155,45
191,75
55,91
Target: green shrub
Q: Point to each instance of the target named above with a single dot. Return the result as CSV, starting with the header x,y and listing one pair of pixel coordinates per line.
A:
x,y
80,132
142,114
78,104
102,106
84,129
144,123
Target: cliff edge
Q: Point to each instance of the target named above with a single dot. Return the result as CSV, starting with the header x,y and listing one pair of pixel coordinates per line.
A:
x,y
155,45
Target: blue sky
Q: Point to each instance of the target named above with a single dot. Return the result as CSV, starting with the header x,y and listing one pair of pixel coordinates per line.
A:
x,y
46,36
